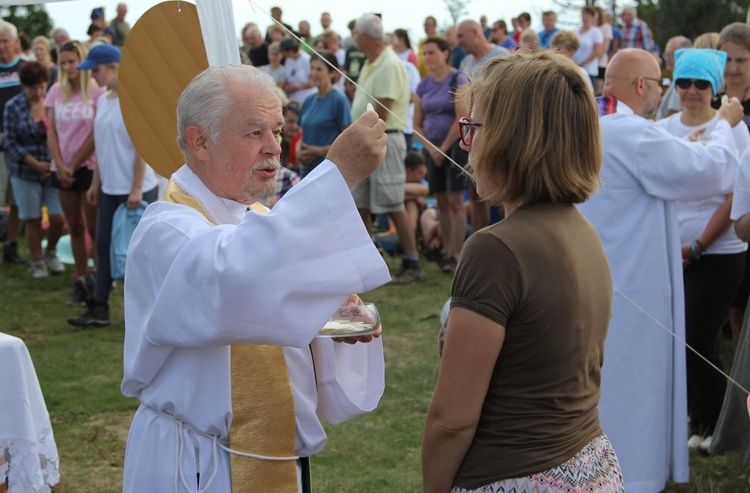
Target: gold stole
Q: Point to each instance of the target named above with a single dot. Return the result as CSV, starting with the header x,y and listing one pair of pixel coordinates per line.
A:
x,y
263,421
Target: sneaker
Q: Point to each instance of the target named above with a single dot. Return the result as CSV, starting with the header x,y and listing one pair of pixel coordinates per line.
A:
x,y
449,264
694,441
11,256
410,273
433,254
81,293
53,263
96,315
38,269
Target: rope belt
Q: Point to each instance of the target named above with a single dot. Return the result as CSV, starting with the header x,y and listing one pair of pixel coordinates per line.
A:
x,y
217,443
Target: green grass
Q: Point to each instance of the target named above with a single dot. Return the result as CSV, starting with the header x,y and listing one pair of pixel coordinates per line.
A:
x,y
80,373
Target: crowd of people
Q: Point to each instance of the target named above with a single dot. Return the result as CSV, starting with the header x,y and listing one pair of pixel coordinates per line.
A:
x,y
669,222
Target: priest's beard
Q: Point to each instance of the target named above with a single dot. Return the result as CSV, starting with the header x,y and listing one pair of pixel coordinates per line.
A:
x,y
258,189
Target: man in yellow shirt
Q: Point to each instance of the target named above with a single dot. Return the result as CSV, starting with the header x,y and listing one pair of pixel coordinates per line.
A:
x,y
383,82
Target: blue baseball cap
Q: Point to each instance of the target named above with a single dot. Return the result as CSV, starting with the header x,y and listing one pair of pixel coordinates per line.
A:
x,y
101,53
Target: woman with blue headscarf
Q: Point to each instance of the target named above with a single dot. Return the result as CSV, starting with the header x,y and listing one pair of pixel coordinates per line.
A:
x,y
713,256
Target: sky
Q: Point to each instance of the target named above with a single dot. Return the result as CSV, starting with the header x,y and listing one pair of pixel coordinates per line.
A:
x,y
74,15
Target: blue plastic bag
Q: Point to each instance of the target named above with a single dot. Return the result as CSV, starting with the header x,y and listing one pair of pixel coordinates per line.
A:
x,y
123,224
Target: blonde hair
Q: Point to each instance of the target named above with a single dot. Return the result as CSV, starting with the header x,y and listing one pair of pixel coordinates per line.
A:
x,y
540,138
530,35
44,40
565,41
84,76
707,40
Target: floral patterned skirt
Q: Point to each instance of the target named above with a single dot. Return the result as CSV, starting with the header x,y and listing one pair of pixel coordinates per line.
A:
x,y
594,469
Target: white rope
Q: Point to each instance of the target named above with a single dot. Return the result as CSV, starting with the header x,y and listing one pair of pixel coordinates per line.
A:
x,y
215,445
670,332
255,6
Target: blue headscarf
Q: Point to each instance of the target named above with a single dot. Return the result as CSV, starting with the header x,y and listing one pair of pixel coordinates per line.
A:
x,y
700,64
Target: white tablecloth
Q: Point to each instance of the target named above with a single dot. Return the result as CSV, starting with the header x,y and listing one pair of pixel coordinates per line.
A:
x,y
28,454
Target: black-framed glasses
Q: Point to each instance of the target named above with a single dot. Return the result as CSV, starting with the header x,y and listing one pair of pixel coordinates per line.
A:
x,y
699,84
466,130
658,81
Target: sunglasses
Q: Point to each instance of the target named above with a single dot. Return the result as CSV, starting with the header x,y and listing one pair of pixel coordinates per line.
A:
x,y
685,84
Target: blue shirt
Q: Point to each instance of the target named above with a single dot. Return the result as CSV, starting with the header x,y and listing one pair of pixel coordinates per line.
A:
x,y
322,119
509,43
545,37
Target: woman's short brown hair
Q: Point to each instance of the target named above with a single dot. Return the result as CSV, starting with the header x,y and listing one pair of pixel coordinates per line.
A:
x,y
540,139
737,33
33,73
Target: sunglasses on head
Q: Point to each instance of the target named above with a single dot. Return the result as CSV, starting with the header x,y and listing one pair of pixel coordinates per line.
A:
x,y
685,84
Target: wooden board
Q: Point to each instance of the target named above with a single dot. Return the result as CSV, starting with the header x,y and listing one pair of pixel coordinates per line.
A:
x,y
162,54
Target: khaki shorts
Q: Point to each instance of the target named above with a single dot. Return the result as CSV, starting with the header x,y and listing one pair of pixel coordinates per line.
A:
x,y
383,191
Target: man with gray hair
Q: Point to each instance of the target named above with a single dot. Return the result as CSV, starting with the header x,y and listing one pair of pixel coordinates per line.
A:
x,y
384,83
635,32
224,300
10,85
670,103
59,36
120,25
257,48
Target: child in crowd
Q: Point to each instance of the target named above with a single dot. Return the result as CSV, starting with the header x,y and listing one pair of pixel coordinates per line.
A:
x,y
417,188
275,69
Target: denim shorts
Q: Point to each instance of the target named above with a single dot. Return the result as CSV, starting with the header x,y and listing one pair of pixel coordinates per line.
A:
x,y
31,195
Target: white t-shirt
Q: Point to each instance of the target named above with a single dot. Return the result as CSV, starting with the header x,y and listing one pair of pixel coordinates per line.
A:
x,y
588,40
741,200
413,74
586,78
694,215
607,35
115,151
298,73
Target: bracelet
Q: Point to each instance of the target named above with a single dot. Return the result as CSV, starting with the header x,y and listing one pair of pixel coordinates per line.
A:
x,y
696,255
701,247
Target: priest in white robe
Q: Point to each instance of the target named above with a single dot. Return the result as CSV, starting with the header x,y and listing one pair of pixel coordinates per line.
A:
x,y
209,269
643,407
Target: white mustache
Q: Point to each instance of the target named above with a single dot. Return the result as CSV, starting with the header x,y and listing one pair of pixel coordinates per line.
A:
x,y
267,163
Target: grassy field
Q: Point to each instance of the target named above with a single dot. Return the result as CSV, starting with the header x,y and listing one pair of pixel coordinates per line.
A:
x,y
80,373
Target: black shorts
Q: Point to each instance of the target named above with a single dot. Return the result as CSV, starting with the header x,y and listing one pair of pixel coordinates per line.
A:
x,y
83,178
743,292
602,70
445,178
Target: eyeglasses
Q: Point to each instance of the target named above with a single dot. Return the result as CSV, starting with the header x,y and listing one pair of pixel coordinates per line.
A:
x,y
649,78
685,84
466,130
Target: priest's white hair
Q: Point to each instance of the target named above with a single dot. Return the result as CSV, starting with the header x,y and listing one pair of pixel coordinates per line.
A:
x,y
205,101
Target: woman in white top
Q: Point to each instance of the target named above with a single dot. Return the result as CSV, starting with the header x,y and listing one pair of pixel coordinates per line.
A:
x,y
712,254
607,34
591,43
121,176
